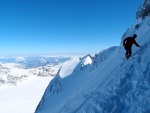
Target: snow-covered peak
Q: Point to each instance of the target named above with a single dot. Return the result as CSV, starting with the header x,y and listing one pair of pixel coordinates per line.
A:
x,y
67,67
87,60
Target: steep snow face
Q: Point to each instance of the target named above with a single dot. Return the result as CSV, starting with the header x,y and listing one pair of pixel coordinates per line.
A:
x,y
61,90
108,83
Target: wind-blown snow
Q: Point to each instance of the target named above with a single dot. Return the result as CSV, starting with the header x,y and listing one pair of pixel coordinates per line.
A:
x,y
105,83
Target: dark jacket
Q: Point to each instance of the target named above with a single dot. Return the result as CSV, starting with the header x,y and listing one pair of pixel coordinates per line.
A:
x,y
127,42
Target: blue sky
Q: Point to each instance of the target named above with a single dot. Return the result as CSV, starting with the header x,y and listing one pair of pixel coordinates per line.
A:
x,y
63,26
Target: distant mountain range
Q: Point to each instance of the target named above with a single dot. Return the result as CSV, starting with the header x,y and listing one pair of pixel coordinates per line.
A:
x,y
16,69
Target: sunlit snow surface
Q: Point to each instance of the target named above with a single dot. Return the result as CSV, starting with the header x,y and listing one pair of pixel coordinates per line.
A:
x,y
23,98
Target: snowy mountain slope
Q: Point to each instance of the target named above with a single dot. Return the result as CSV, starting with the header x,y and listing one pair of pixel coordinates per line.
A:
x,y
16,69
70,86
108,83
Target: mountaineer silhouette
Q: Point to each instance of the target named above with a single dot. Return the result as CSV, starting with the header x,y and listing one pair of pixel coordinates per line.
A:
x,y
127,43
